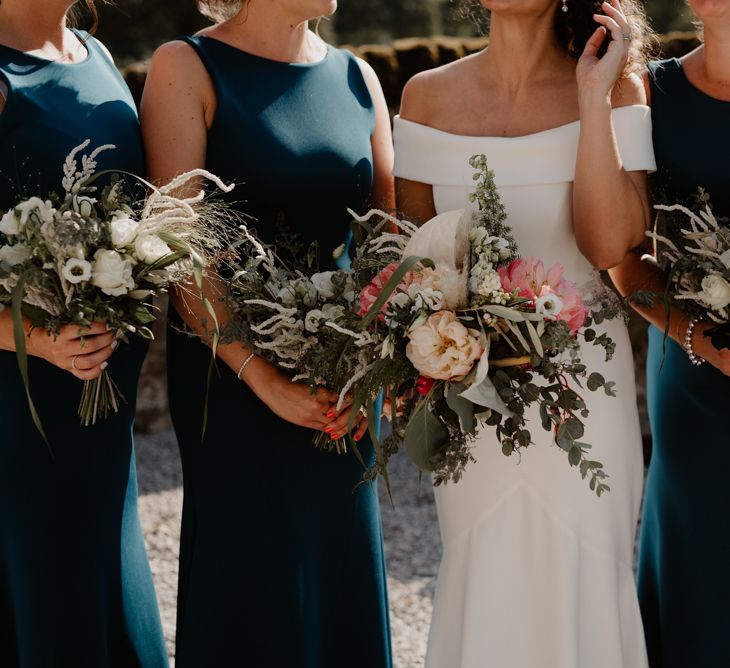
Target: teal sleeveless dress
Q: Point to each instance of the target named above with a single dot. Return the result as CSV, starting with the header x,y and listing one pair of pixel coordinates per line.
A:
x,y
75,585
281,559
684,580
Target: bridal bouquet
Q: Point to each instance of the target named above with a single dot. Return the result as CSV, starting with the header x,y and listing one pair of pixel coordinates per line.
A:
x,y
482,335
445,321
88,256
697,257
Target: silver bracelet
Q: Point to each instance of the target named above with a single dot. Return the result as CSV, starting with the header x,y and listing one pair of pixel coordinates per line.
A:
x,y
244,365
688,347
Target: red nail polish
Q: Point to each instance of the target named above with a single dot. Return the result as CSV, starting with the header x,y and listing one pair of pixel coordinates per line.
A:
x,y
330,414
328,430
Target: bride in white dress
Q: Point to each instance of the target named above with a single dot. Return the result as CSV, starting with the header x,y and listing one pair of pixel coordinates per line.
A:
x,y
536,570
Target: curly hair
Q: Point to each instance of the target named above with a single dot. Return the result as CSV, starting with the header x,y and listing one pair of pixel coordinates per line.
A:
x,y
220,10
90,7
575,27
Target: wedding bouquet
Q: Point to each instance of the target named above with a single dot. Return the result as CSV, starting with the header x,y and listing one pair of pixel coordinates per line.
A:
x,y
89,255
479,335
445,321
697,258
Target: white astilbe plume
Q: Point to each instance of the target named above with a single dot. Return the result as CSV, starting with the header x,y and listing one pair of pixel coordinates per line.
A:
x,y
73,179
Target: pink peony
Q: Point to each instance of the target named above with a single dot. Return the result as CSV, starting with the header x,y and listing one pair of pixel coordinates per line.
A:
x,y
372,291
527,278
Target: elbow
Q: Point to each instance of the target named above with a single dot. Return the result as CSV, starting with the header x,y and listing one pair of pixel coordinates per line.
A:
x,y
605,258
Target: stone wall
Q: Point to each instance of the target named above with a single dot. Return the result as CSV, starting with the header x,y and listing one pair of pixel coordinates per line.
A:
x,y
395,64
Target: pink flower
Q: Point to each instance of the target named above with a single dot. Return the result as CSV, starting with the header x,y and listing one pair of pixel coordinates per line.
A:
x,y
372,291
527,278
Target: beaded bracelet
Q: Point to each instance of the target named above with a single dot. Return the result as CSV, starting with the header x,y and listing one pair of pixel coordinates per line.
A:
x,y
688,347
244,365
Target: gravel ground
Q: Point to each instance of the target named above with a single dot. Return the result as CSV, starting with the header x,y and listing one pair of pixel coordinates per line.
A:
x,y
411,540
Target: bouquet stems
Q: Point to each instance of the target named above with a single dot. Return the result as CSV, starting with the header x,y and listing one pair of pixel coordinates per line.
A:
x,y
99,398
324,442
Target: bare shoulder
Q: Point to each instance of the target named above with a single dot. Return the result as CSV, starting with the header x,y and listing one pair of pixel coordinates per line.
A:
x,y
428,94
629,91
177,67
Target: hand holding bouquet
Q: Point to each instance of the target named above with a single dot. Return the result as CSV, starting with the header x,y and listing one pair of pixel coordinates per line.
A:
x,y
88,257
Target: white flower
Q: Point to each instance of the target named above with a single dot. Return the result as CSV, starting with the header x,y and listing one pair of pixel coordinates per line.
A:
x,y
84,206
427,298
149,248
400,300
140,294
724,258
443,348
9,224
44,210
77,271
124,230
14,255
286,296
715,291
312,320
112,273
548,305
324,285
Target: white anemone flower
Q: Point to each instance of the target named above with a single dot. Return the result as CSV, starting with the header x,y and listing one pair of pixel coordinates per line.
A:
x,y
77,271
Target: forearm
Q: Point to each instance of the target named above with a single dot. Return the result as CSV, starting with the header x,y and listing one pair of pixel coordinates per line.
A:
x,y
610,212
634,275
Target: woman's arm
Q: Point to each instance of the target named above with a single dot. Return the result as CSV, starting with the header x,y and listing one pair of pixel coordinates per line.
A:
x,y
415,199
177,109
610,204
635,274
383,192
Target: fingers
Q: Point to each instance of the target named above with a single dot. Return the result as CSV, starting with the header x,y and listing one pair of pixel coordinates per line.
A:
x,y
615,21
90,374
91,344
91,361
361,430
70,332
339,427
610,24
593,45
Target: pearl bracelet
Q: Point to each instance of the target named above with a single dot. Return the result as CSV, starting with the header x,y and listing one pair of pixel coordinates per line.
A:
x,y
244,365
689,349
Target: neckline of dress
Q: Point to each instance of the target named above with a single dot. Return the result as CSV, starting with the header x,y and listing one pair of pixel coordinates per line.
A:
x,y
284,63
696,89
531,135
59,63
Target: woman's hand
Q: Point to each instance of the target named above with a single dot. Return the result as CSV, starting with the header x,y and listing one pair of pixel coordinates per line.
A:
x,y
597,76
340,425
703,348
293,402
82,352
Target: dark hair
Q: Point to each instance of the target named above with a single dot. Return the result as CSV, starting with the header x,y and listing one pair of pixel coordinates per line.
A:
x,y
220,10
575,27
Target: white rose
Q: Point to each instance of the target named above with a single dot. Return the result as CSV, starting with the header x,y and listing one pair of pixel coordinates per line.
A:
x,y
149,248
548,305
124,230
13,255
443,348
715,291
9,224
77,271
312,320
323,283
84,206
112,273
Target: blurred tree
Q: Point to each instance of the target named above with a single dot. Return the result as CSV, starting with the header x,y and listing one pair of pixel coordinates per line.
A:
x,y
134,28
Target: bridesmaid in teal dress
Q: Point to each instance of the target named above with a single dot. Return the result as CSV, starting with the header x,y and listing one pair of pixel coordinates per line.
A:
x,y
75,584
684,575
281,559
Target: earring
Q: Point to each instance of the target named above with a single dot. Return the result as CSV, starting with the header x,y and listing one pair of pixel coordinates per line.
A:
x,y
565,6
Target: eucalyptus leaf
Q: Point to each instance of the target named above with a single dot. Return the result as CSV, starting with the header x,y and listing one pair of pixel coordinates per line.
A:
x,y
424,435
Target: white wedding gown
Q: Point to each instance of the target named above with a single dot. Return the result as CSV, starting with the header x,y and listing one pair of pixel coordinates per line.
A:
x,y
536,570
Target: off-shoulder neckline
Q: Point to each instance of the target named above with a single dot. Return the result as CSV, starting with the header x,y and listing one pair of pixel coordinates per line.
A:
x,y
532,135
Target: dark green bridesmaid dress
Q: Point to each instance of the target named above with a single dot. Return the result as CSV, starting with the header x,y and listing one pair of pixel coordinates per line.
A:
x,y
684,562
75,585
281,561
